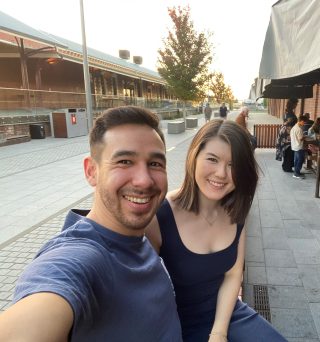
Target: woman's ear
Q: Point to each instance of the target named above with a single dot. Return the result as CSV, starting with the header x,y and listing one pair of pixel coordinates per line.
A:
x,y
90,170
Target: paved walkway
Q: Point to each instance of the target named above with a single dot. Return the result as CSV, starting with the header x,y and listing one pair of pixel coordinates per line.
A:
x,y
42,179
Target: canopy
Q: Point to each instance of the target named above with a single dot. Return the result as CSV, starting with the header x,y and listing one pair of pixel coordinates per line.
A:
x,y
290,56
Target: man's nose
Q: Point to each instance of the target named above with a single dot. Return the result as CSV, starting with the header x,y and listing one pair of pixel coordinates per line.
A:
x,y
142,177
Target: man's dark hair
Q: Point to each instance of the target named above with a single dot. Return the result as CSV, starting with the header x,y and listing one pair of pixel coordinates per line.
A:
x,y
302,118
118,116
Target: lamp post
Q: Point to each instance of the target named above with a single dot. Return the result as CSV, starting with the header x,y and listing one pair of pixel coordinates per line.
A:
x,y
86,69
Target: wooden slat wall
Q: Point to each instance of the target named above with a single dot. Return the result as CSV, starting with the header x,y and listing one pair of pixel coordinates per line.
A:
x,y
266,135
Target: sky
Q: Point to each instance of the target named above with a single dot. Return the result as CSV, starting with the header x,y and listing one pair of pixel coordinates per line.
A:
x,y
238,26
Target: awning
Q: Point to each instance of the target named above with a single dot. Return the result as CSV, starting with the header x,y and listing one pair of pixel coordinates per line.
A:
x,y
290,58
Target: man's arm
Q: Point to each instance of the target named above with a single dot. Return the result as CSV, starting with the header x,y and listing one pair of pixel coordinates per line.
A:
x,y
41,317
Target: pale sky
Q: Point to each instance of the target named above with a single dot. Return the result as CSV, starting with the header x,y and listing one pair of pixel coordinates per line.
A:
x,y
238,27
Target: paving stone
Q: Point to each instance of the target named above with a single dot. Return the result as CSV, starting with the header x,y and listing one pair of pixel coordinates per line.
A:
x,y
294,323
315,311
288,297
306,251
310,276
283,276
257,275
274,238
254,250
279,258
294,229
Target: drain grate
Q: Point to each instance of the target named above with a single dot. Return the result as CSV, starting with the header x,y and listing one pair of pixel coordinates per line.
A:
x,y
261,301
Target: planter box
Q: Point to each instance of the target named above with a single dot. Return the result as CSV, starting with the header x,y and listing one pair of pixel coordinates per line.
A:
x,y
191,122
176,127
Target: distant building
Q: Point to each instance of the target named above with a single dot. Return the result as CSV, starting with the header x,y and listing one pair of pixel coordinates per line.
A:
x,y
39,72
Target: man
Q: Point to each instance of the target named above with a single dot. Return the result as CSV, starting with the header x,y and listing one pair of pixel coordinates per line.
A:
x,y
223,110
207,112
100,279
297,139
241,120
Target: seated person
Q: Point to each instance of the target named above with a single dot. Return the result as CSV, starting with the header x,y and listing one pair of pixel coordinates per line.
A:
x,y
314,129
307,124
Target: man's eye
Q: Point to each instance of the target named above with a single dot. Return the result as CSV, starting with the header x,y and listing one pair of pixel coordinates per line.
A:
x,y
124,162
157,164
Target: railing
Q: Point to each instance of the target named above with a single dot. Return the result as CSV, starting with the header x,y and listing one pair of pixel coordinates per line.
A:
x,y
40,101
266,135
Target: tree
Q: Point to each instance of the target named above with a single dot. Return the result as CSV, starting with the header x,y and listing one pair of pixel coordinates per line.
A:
x,y
185,57
221,92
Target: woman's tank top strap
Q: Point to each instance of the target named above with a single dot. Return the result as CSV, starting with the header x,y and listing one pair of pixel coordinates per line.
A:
x,y
167,223
239,231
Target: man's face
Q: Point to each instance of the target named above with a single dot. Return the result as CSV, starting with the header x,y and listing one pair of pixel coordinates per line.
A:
x,y
130,178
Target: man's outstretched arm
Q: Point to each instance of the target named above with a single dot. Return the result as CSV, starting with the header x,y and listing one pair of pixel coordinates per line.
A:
x,y
41,317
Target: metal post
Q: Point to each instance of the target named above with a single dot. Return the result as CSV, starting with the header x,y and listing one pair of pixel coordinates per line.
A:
x,y
86,69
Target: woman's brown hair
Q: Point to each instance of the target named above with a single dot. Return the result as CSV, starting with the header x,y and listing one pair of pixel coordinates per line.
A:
x,y
244,169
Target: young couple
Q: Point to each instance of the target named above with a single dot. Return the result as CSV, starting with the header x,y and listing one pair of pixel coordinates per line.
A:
x,y
100,279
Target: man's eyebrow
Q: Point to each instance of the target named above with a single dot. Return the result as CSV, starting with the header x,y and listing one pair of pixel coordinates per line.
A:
x,y
123,153
159,155
128,153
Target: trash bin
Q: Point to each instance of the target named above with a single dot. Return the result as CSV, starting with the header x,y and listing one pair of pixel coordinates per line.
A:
x,y
37,131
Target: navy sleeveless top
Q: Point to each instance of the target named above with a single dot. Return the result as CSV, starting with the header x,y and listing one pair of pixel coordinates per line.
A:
x,y
196,277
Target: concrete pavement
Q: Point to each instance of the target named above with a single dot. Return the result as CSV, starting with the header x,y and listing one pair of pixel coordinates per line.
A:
x,y
42,179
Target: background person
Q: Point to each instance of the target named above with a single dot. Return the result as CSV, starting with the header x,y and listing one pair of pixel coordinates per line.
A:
x,y
223,110
290,110
241,120
207,112
100,279
307,124
314,129
297,145
284,152
199,232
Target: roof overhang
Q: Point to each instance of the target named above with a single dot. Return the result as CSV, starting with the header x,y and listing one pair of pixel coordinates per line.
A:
x,y
290,58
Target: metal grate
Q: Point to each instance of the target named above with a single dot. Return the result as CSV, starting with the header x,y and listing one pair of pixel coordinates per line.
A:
x,y
261,301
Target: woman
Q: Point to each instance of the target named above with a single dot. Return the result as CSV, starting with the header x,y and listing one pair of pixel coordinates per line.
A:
x,y
314,130
290,110
199,233
284,152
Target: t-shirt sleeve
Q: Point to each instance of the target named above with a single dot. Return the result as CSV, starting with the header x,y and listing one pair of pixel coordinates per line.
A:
x,y
73,271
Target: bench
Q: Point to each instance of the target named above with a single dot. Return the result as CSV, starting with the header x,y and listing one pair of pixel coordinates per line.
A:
x,y
176,127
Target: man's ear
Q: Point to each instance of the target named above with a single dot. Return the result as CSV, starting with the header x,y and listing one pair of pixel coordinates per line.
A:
x,y
90,170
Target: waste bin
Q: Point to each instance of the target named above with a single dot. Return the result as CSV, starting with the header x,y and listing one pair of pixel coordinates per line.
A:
x,y
69,123
37,131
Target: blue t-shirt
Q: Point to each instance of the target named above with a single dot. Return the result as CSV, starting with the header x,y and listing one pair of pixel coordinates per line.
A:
x,y
116,285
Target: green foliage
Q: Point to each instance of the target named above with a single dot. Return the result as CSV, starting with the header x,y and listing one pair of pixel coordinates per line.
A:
x,y
185,57
221,92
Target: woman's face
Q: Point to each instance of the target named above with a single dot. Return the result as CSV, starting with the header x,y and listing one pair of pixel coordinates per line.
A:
x,y
213,170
